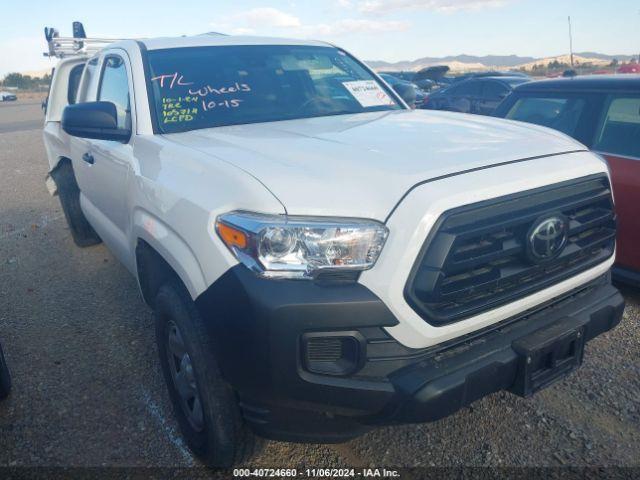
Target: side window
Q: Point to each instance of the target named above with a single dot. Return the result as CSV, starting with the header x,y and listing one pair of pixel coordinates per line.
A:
x,y
470,87
74,82
114,87
619,131
494,90
87,78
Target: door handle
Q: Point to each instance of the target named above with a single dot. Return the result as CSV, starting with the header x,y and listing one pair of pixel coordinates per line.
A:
x,y
87,157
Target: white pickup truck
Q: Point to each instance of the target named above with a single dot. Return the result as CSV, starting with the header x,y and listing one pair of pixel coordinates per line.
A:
x,y
322,259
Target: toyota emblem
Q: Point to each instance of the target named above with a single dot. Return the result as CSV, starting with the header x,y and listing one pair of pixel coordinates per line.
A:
x,y
547,238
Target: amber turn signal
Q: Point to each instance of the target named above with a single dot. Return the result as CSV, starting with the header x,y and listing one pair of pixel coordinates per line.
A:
x,y
232,237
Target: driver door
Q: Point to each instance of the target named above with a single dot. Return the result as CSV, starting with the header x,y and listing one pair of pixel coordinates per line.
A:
x,y
103,166
618,140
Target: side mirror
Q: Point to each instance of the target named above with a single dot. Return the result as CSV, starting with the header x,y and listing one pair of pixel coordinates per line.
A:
x,y
97,120
407,92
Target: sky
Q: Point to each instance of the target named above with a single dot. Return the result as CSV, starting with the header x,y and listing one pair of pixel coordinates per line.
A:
x,y
390,30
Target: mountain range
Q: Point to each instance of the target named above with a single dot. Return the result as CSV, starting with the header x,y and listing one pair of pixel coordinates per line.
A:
x,y
487,62
467,63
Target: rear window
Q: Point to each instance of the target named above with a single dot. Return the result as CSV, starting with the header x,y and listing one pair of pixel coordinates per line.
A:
x,y
559,113
619,132
74,82
86,80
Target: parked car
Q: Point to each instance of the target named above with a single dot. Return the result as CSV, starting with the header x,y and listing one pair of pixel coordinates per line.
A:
x,y
629,68
5,377
467,76
8,97
415,78
602,112
432,77
322,259
421,96
480,95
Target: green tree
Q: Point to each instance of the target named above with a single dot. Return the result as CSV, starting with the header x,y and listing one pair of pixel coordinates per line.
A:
x,y
25,82
14,79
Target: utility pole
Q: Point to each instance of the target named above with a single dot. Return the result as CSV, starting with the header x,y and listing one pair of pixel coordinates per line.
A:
x,y
570,43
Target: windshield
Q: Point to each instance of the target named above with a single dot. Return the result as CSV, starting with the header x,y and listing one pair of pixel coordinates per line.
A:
x,y
206,87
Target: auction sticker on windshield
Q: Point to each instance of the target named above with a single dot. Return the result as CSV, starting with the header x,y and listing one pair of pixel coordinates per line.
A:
x,y
368,93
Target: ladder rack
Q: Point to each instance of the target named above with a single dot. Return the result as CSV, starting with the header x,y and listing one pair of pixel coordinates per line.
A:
x,y
61,47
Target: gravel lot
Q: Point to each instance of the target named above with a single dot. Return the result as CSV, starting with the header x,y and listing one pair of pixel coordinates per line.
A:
x,y
88,390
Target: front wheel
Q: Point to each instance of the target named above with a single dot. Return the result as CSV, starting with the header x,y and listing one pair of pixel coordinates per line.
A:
x,y
5,378
204,404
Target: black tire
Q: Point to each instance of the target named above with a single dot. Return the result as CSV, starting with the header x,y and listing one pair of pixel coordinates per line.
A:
x,y
69,193
5,377
223,439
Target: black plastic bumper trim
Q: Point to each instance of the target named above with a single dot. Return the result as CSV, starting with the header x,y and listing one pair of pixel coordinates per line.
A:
x,y
437,387
258,326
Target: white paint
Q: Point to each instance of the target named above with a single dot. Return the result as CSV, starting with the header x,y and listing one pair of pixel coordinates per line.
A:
x,y
414,219
361,165
45,220
358,165
156,412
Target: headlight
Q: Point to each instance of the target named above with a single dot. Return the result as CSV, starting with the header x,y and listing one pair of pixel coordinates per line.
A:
x,y
300,247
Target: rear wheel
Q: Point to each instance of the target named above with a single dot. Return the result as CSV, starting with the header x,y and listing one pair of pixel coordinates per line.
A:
x,y
204,404
5,378
69,193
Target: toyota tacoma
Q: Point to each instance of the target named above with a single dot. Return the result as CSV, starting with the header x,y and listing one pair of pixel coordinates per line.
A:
x,y
320,258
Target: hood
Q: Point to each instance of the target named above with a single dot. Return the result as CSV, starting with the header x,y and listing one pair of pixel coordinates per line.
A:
x,y
361,165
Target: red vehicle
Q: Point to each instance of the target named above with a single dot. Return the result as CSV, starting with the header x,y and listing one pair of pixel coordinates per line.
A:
x,y
629,68
603,112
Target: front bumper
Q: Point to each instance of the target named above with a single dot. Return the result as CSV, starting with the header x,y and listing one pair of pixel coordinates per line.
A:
x,y
259,326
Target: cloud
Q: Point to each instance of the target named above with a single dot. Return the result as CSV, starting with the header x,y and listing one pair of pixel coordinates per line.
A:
x,y
444,6
349,26
259,20
266,17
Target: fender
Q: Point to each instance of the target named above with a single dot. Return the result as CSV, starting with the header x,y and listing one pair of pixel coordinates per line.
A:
x,y
173,249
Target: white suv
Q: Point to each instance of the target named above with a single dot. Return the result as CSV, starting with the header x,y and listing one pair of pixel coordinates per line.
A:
x,y
322,259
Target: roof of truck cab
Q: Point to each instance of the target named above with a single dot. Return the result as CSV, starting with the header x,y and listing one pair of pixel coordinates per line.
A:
x,y
584,83
215,39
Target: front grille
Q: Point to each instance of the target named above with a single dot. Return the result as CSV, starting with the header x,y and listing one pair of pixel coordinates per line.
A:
x,y
476,258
